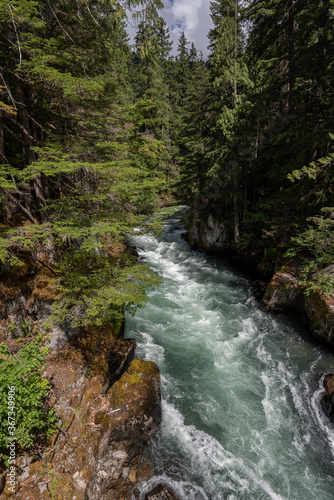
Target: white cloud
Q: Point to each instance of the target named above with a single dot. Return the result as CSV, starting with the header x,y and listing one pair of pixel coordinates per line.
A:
x,y
190,16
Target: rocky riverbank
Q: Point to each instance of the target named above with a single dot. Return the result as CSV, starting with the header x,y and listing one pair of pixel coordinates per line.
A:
x,y
275,281
108,403
97,451
275,284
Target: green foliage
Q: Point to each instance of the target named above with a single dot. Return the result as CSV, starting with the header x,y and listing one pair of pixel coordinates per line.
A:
x,y
22,371
93,134
315,248
96,288
314,169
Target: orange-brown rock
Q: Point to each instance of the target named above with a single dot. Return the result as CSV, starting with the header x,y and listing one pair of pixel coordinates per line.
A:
x,y
130,417
329,384
319,308
316,308
97,451
327,400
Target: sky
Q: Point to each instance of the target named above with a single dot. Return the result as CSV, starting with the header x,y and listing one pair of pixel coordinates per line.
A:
x,y
190,16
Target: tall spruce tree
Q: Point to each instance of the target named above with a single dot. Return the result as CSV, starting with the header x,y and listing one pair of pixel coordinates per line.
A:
x,y
194,130
289,55
229,76
152,46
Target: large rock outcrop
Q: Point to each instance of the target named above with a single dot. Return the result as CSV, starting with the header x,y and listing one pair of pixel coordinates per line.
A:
x,y
327,400
208,234
96,454
284,290
315,307
108,403
26,298
160,492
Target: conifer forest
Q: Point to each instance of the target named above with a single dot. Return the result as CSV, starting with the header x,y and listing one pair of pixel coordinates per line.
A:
x,y
100,136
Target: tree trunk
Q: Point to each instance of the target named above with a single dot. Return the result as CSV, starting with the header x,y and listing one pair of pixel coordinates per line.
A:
x,y
322,50
235,50
291,54
235,179
3,158
28,141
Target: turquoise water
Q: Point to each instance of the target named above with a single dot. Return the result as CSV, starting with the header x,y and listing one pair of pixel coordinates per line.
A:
x,y
240,388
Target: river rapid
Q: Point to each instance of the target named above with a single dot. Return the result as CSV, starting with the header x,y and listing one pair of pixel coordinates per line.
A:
x,y
240,387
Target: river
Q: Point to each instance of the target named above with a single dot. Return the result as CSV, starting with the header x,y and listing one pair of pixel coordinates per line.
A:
x,y
240,387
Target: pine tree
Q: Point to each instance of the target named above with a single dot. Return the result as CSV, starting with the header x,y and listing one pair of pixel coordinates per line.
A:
x,y
180,81
153,109
287,49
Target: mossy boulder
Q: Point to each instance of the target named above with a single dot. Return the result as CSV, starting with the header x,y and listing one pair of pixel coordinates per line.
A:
x,y
135,406
126,422
97,452
319,308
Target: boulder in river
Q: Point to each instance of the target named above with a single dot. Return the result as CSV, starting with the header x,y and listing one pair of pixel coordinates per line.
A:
x,y
316,308
327,401
160,492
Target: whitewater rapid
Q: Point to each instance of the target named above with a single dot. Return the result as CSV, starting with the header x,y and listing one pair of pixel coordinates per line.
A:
x,y
240,388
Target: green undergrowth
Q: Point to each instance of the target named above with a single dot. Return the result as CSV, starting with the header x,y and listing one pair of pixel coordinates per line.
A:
x,y
24,415
314,248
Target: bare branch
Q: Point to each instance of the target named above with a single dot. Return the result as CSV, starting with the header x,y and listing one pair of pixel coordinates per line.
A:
x,y
95,21
16,33
24,210
24,130
8,91
61,26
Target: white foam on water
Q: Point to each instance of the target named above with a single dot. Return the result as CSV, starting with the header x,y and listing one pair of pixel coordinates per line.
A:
x,y
263,355
207,456
247,372
184,490
270,410
151,350
298,399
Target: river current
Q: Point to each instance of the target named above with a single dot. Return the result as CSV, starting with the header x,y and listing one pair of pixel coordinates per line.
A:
x,y
240,387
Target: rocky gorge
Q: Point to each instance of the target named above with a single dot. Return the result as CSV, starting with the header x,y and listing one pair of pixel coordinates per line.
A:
x,y
275,280
108,403
110,406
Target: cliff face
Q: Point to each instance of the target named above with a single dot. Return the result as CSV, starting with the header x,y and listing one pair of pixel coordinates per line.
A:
x,y
327,401
208,234
108,403
97,450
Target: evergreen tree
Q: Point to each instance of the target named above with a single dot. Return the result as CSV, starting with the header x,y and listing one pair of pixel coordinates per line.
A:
x,y
153,109
195,132
287,50
229,77
79,168
179,85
